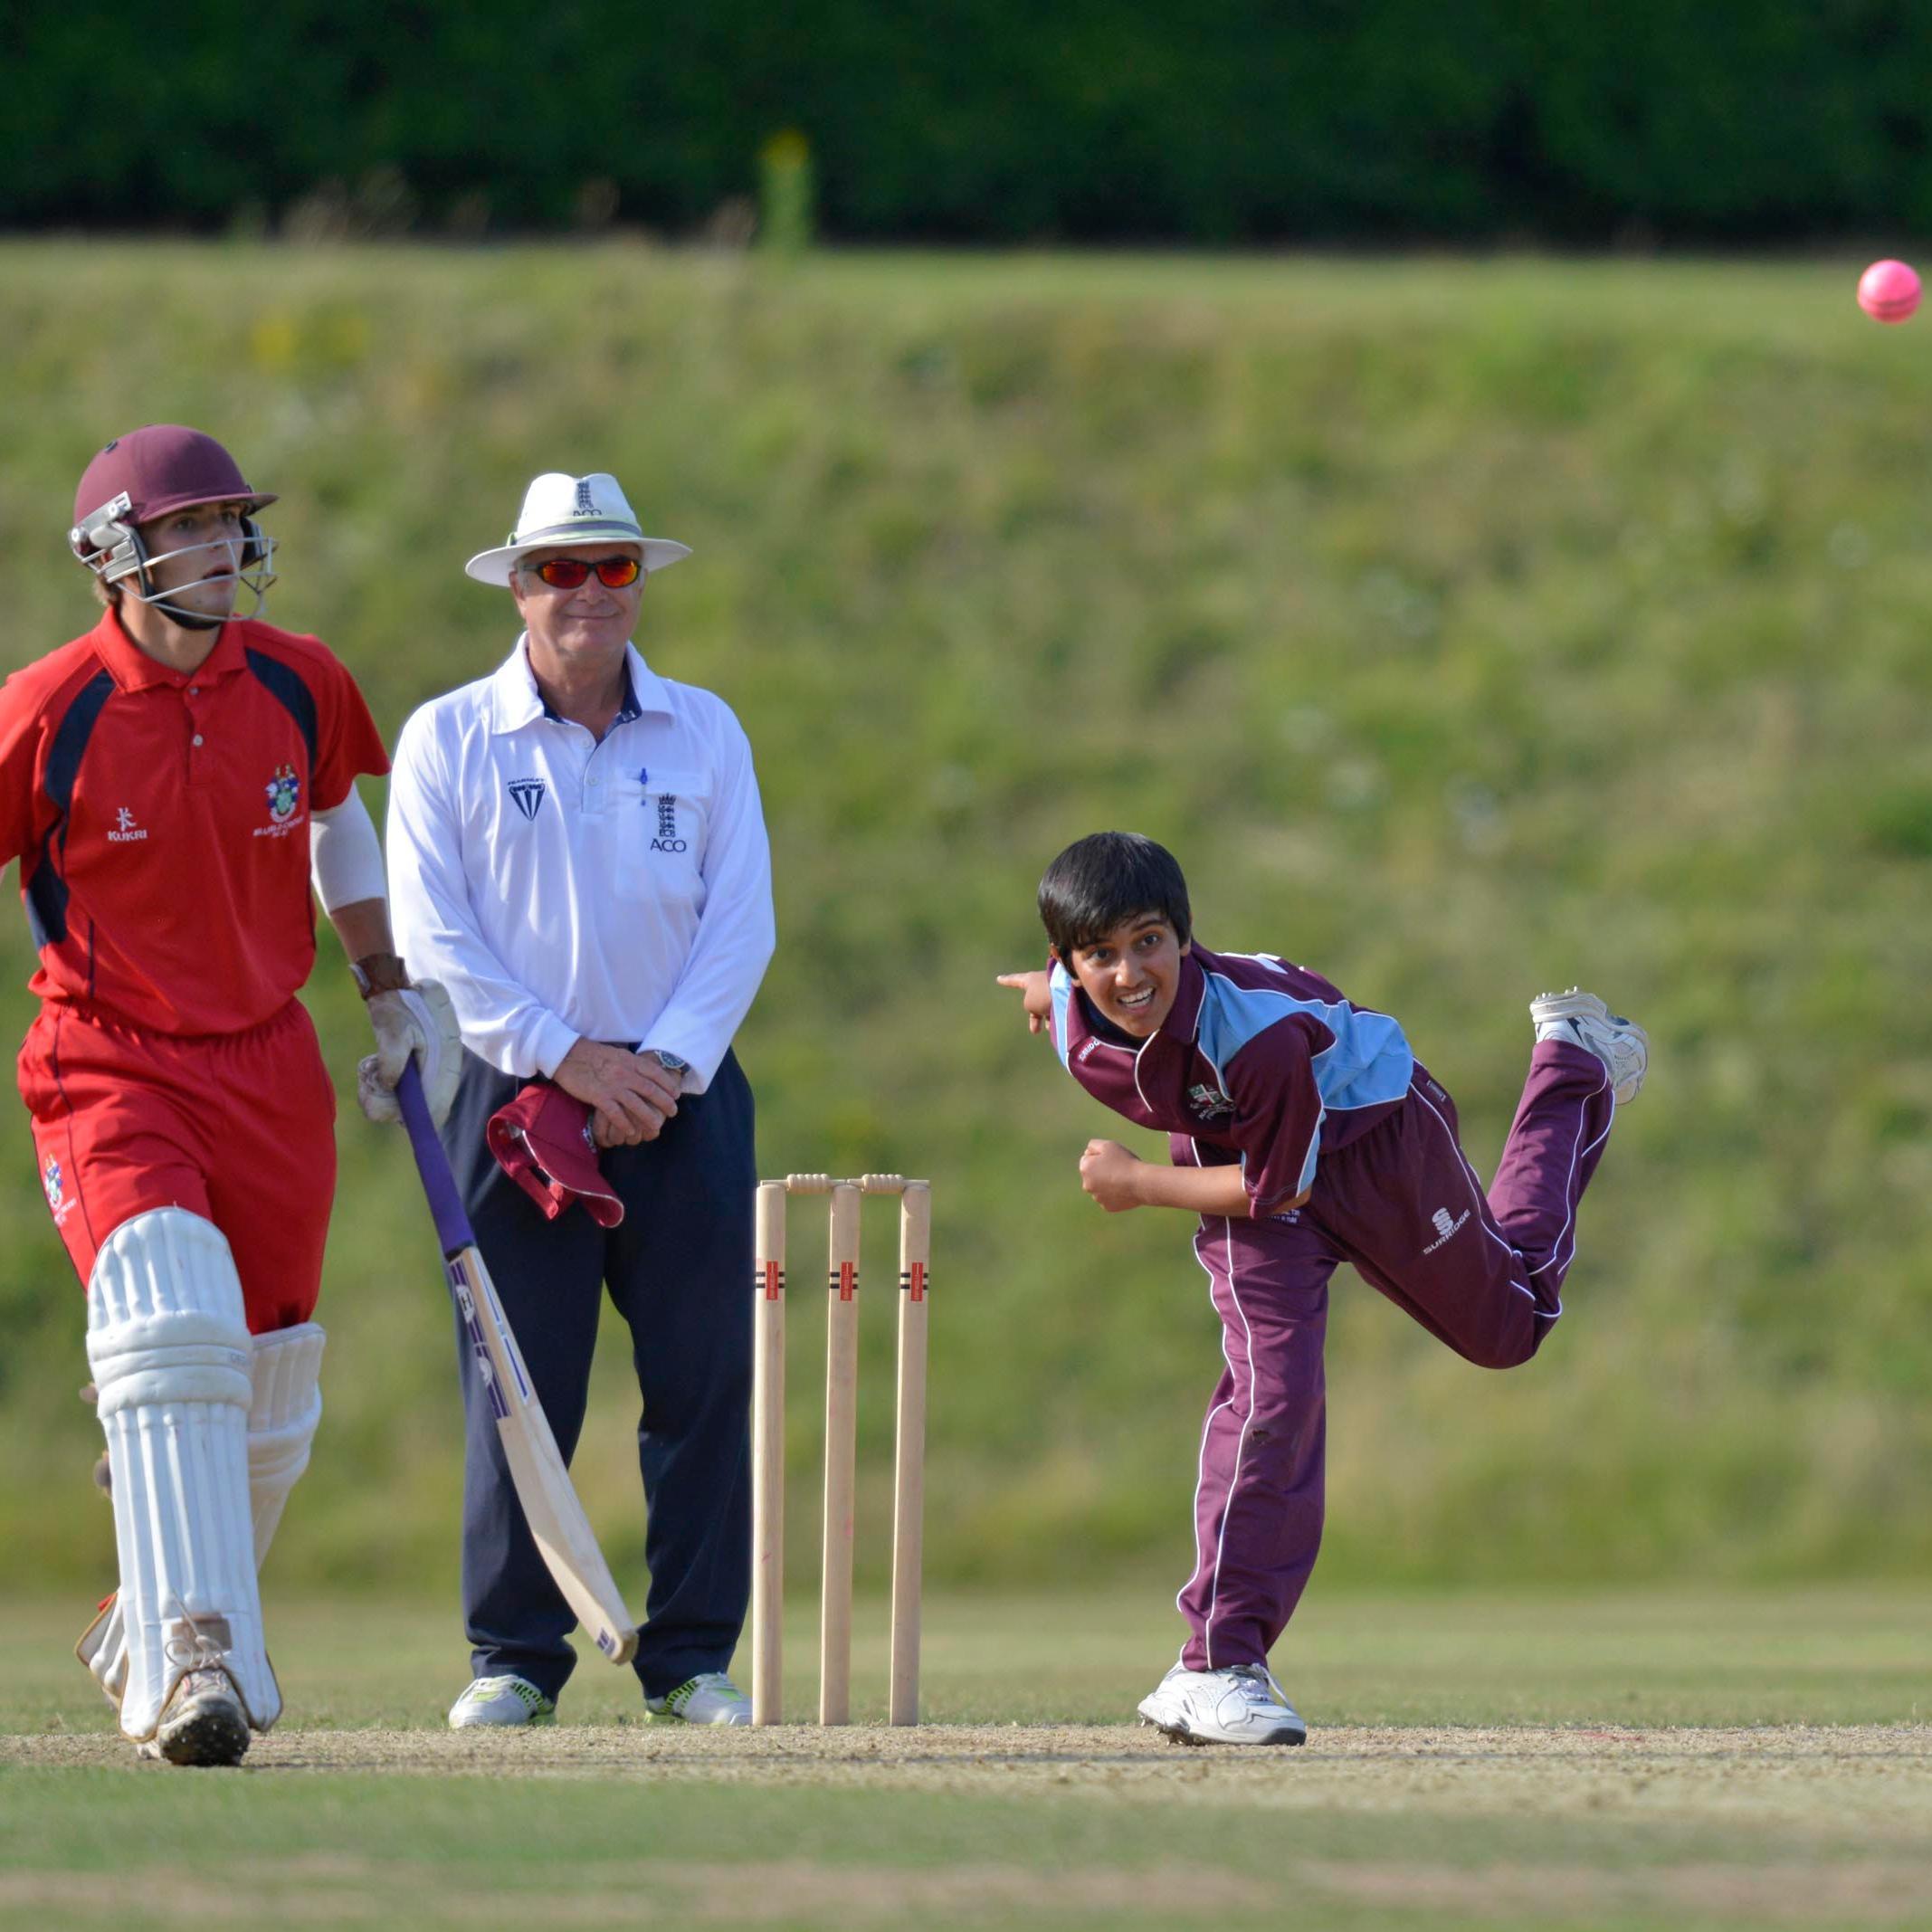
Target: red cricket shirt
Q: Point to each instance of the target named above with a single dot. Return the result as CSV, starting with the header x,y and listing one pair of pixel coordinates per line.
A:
x,y
161,819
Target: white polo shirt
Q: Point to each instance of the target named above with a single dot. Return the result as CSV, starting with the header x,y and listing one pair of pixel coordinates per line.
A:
x,y
561,888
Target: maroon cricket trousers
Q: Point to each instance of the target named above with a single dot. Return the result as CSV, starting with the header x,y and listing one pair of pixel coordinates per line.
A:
x,y
1403,1206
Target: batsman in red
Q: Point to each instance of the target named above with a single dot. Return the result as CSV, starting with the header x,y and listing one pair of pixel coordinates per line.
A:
x,y
175,783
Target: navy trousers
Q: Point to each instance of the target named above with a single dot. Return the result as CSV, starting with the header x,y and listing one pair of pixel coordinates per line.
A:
x,y
679,1270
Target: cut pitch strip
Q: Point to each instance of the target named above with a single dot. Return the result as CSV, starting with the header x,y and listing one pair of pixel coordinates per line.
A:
x,y
842,1421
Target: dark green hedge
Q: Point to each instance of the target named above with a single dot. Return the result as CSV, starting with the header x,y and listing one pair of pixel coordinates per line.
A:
x,y
995,120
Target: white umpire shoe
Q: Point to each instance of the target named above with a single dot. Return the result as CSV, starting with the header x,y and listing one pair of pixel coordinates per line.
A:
x,y
709,1697
1580,1019
1239,1705
503,1702
203,1722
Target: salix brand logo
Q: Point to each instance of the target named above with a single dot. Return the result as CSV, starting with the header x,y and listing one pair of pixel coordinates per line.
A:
x,y
667,838
526,795
284,793
126,831
1445,1227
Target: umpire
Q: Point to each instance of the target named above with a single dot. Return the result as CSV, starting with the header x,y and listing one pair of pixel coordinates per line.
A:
x,y
576,850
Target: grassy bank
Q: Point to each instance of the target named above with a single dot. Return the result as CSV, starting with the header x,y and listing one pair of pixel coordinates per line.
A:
x,y
1466,628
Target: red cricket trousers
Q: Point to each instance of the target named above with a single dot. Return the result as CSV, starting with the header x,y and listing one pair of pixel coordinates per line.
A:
x,y
236,1128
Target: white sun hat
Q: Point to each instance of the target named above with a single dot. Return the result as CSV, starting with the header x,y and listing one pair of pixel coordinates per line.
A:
x,y
561,511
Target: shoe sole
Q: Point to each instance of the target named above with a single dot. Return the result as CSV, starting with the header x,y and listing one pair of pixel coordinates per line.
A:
x,y
217,1736
1180,1734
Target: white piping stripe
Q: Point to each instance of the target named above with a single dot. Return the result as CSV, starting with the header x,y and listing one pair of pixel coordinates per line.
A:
x,y
1139,1092
1577,1151
1200,1462
1241,1446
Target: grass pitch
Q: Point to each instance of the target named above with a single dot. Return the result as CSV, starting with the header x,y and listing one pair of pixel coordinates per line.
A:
x,y
1620,1761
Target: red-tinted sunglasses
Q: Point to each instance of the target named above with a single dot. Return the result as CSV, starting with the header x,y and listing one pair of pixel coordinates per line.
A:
x,y
569,573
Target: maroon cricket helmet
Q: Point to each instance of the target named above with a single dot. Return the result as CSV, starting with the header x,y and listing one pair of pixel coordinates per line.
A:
x,y
161,468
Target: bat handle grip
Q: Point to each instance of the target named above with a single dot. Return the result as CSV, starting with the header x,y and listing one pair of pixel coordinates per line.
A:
x,y
445,1204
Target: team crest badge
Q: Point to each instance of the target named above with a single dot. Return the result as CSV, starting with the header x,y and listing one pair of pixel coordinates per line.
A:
x,y
284,793
1209,1103
50,1179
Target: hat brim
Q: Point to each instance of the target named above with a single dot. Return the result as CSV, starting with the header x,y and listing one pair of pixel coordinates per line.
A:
x,y
494,566
252,505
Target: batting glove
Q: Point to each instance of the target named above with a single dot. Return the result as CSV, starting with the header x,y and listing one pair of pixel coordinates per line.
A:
x,y
416,1020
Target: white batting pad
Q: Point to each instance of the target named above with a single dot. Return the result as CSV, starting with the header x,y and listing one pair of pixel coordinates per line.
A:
x,y
172,1359
282,1422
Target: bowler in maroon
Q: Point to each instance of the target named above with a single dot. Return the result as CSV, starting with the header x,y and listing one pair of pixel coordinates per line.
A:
x,y
1303,1134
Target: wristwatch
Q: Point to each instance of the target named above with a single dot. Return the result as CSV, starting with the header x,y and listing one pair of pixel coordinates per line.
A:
x,y
379,973
670,1063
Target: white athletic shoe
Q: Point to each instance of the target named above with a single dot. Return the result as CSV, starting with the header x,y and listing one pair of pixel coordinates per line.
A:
x,y
203,1722
709,1697
1239,1705
502,1702
1580,1019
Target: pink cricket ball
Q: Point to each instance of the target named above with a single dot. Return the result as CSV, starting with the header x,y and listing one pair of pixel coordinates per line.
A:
x,y
1888,291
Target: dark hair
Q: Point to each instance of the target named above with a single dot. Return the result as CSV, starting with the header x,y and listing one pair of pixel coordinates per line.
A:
x,y
1105,878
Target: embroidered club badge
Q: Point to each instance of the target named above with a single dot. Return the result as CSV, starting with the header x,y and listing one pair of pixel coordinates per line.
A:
x,y
284,793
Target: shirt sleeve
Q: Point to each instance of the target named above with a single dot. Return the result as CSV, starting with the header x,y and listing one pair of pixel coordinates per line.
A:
x,y
346,742
436,931
1278,1109
737,932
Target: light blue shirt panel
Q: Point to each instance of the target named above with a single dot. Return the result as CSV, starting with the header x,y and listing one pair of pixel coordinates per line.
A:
x,y
1060,983
1368,1065
1310,1164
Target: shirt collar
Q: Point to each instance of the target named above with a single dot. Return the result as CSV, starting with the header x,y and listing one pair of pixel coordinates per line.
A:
x,y
516,702
1184,1017
133,669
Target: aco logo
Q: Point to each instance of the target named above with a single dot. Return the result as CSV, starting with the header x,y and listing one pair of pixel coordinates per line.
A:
x,y
667,838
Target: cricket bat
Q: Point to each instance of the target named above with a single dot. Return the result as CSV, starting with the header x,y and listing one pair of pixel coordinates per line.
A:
x,y
562,1531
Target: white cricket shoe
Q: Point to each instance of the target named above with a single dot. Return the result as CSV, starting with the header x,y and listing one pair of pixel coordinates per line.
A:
x,y
1239,1705
502,1702
709,1697
1580,1019
203,1722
